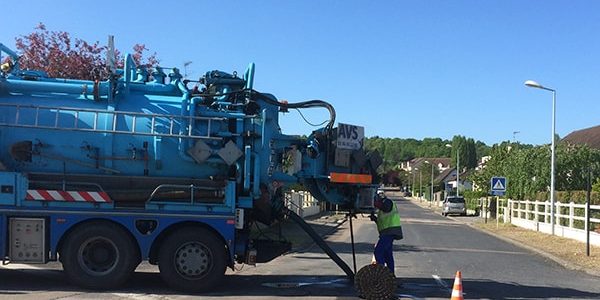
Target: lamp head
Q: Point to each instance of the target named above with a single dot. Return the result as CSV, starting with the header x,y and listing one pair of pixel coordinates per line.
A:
x,y
533,84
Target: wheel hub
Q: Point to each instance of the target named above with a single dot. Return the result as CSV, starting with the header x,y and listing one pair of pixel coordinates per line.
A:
x,y
98,256
193,260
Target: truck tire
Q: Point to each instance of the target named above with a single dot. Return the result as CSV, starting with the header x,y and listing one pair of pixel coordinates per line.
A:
x,y
192,260
99,255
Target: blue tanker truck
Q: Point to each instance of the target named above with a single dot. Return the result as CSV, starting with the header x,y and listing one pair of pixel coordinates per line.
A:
x,y
103,174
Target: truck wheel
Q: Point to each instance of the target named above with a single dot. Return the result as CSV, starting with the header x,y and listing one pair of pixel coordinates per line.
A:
x,y
99,255
192,260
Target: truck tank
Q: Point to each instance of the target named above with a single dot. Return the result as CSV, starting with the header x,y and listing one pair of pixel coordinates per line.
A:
x,y
141,135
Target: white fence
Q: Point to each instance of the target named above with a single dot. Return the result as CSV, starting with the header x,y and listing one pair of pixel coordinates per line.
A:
x,y
570,218
302,203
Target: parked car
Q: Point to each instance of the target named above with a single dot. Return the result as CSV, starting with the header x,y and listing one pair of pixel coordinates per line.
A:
x,y
454,205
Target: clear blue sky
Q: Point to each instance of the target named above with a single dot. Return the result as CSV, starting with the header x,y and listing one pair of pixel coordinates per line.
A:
x,y
400,68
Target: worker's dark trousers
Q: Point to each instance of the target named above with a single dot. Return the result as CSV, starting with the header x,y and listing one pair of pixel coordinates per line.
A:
x,y
384,251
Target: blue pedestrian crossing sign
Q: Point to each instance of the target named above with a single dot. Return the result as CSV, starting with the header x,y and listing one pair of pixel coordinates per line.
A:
x,y
498,186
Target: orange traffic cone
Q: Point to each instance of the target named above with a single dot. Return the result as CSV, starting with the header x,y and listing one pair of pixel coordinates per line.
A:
x,y
457,291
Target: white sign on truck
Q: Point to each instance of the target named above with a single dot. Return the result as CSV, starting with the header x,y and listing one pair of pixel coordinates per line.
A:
x,y
350,136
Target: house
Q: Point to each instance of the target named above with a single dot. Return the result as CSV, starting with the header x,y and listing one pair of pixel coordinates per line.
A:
x,y
448,177
588,136
442,163
482,161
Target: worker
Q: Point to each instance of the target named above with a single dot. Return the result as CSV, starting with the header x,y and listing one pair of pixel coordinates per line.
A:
x,y
389,227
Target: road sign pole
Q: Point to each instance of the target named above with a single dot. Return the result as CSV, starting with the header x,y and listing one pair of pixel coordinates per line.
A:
x,y
588,197
485,208
497,212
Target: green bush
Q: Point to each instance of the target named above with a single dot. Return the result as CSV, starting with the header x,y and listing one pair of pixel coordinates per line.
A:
x,y
472,203
542,196
578,197
474,195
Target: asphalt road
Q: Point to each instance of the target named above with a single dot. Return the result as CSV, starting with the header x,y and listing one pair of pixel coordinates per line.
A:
x,y
433,250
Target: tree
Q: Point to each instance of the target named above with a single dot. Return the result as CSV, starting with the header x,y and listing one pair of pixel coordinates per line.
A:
x,y
527,168
396,150
467,152
471,159
61,56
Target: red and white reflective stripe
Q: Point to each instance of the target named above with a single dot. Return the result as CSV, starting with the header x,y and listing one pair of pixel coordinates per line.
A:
x,y
68,196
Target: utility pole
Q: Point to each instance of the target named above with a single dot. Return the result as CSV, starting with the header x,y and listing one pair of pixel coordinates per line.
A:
x,y
515,136
420,185
431,200
414,180
185,65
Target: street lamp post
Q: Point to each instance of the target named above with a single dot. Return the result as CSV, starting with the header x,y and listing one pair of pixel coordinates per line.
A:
x,y
533,84
431,194
431,200
457,168
420,185
414,182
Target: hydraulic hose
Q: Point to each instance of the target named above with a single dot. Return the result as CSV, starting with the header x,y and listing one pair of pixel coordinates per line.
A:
x,y
296,105
303,104
320,242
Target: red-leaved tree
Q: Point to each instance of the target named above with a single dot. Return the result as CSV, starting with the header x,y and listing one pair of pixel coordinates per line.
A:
x,y
61,56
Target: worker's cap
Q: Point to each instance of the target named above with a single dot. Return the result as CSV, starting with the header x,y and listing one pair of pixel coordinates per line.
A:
x,y
380,193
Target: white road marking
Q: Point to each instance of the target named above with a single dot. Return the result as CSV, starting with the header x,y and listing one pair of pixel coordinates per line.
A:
x,y
299,284
408,296
441,283
15,266
430,221
139,296
472,250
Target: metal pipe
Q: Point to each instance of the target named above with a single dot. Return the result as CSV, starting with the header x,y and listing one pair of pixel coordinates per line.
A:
x,y
247,160
183,144
128,71
32,86
256,182
8,51
12,54
155,88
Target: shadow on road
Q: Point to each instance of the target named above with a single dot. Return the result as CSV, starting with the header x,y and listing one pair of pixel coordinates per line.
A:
x,y
487,289
288,285
501,290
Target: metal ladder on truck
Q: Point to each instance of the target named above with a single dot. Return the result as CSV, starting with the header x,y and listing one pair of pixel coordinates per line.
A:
x,y
163,125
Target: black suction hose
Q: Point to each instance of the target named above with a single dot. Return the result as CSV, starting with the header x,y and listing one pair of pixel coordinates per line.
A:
x,y
320,242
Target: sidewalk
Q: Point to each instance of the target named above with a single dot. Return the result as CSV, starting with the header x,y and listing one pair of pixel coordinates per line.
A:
x,y
566,252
